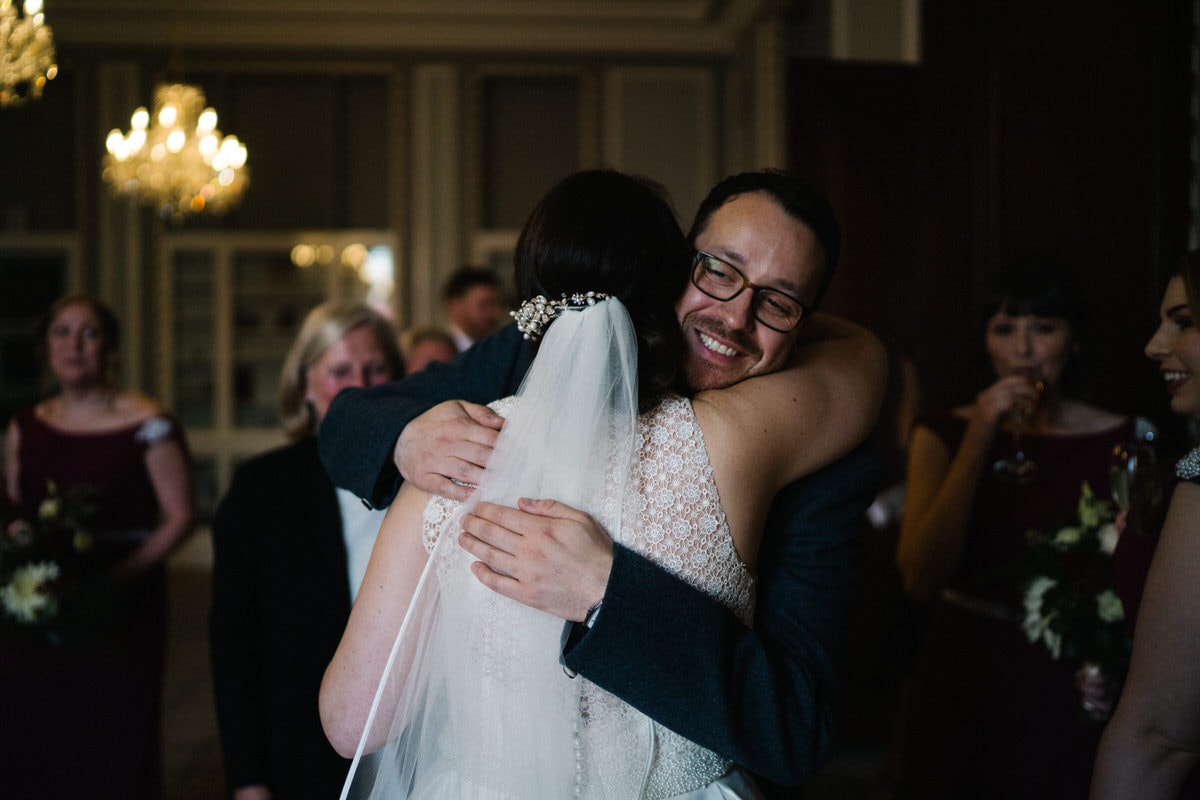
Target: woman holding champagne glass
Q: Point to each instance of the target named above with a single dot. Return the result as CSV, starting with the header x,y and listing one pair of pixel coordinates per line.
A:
x,y
988,714
1151,746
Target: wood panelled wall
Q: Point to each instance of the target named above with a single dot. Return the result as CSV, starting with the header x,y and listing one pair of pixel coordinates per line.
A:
x,y
1030,128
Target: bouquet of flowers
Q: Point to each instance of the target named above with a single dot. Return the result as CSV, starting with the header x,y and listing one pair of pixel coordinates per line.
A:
x,y
1071,606
47,568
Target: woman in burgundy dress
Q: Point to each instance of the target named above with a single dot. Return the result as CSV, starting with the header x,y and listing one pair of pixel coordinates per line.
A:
x,y
81,715
1151,746
988,714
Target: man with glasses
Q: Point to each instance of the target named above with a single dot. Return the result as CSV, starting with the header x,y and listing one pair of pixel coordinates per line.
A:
x,y
767,245
766,248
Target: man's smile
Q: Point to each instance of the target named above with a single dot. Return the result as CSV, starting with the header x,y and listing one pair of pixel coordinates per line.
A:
x,y
715,346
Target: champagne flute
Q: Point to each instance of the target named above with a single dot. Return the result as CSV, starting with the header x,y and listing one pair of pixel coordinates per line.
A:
x,y
1133,481
1019,468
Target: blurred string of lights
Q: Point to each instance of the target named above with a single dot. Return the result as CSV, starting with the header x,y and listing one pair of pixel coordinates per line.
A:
x,y
176,159
27,58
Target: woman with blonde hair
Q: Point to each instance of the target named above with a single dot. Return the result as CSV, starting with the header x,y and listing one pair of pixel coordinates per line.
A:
x,y
289,553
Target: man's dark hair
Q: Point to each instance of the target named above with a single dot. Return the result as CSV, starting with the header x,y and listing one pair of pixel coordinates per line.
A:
x,y
799,201
605,231
467,277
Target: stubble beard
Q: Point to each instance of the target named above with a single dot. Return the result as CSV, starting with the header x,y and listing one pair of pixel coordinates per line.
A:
x,y
700,374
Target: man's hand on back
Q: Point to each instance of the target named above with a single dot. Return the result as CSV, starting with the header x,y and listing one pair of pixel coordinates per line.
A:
x,y
545,555
446,447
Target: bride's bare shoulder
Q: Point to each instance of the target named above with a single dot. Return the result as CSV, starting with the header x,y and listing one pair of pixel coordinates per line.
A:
x,y
805,416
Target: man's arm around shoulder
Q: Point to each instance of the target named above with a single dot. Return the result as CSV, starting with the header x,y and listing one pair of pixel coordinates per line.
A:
x,y
358,435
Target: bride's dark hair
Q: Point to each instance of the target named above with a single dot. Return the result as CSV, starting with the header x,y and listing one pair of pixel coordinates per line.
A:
x,y
605,231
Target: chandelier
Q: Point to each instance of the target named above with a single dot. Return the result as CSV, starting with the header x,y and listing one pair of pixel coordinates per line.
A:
x,y
177,160
26,52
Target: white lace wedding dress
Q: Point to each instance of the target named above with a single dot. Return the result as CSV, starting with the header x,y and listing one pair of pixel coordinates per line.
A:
x,y
677,522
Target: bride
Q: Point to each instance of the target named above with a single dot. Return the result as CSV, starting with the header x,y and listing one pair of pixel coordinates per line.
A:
x,y
460,689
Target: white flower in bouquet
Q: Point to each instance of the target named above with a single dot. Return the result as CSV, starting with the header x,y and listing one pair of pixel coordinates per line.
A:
x,y
25,597
1054,642
1108,536
1108,606
1035,623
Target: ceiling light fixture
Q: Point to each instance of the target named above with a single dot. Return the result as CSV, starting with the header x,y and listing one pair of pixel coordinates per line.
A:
x,y
26,52
176,160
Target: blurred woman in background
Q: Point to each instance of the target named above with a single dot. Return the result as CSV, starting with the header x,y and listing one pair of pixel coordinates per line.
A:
x,y
81,708
990,714
425,346
289,553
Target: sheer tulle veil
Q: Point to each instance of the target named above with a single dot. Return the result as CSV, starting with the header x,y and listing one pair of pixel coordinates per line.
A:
x,y
474,702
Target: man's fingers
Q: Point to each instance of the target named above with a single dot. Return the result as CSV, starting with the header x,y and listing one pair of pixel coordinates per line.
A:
x,y
507,517
483,415
441,485
466,429
496,559
493,536
473,457
531,517
550,508
496,581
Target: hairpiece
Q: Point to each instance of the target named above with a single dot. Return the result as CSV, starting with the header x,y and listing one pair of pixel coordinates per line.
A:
x,y
536,313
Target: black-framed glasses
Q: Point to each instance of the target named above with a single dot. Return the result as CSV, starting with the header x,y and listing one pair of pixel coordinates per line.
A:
x,y
722,281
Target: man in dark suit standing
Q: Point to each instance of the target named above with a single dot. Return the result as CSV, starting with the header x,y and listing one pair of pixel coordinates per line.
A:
x,y
764,696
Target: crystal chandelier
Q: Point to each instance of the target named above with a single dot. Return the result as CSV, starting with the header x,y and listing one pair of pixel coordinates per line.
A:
x,y
26,52
177,160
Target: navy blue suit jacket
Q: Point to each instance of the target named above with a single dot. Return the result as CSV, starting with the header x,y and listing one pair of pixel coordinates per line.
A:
x,y
763,697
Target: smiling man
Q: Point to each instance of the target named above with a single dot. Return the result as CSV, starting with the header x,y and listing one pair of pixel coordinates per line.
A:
x,y
767,245
774,237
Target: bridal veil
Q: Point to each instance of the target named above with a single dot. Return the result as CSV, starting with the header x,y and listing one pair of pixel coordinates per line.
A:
x,y
474,704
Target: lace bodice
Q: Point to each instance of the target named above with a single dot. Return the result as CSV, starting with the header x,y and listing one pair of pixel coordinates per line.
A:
x,y
674,518
679,521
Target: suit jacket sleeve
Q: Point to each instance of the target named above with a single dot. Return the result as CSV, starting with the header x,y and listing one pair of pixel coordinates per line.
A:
x,y
763,697
359,431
